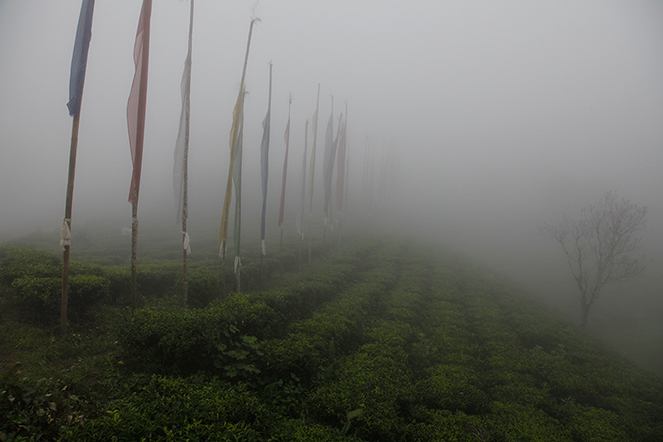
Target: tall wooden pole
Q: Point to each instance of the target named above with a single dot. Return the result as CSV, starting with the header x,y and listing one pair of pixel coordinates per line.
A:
x,y
185,167
264,157
76,83
312,174
303,201
64,297
140,135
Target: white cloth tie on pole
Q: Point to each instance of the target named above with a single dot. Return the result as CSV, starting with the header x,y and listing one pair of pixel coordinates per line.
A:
x,y
238,263
262,245
187,243
65,233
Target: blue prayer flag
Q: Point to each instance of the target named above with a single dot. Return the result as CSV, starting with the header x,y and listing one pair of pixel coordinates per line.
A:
x,y
79,58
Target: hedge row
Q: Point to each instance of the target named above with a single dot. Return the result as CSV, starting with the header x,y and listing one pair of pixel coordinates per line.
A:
x,y
225,338
33,277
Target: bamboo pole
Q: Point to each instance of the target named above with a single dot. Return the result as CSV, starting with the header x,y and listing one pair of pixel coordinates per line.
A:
x,y
303,201
266,172
235,139
134,242
283,183
76,85
312,175
238,262
281,252
185,168
64,297
140,135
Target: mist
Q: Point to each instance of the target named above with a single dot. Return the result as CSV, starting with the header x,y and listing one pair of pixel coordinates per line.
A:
x,y
499,116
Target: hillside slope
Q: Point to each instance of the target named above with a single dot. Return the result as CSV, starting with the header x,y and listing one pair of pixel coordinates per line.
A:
x,y
385,340
425,345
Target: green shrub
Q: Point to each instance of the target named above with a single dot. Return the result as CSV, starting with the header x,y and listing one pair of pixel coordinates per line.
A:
x,y
294,430
511,421
157,280
376,380
444,425
21,262
188,341
203,287
169,409
42,295
452,387
120,283
36,410
38,295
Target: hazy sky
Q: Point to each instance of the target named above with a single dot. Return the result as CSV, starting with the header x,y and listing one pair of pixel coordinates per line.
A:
x,y
503,114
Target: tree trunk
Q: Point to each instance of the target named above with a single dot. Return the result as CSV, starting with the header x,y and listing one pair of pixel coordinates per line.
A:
x,y
584,316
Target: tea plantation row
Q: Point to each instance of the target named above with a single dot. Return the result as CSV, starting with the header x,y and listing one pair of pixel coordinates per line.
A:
x,y
387,340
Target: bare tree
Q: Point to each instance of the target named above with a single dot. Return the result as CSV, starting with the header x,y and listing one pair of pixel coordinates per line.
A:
x,y
600,246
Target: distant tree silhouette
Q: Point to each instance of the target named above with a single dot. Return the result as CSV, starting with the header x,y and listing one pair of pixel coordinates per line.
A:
x,y
600,246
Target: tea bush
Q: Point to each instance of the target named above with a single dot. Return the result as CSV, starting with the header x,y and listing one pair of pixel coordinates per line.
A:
x,y
376,380
192,340
170,409
22,262
42,295
203,287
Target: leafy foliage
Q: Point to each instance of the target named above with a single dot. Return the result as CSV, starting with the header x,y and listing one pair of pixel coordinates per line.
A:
x,y
388,340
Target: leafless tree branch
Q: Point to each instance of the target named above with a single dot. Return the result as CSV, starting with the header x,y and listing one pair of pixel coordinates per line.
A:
x,y
599,246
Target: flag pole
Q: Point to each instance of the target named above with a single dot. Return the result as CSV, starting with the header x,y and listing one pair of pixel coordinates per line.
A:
x,y
312,174
142,64
235,145
341,172
66,240
185,166
329,139
264,166
286,138
303,201
76,83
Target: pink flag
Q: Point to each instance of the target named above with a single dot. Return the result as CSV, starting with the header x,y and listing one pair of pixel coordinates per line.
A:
x,y
138,97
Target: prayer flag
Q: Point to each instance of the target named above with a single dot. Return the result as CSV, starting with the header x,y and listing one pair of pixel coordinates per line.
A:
x,y
138,97
235,147
264,162
79,58
182,143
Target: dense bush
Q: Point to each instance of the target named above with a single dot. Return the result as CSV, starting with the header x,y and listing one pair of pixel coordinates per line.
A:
x,y
35,278
21,262
36,411
42,295
169,409
376,380
194,340
203,287
385,340
120,284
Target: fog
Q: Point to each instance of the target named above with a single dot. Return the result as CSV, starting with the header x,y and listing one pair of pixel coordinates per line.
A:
x,y
501,115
